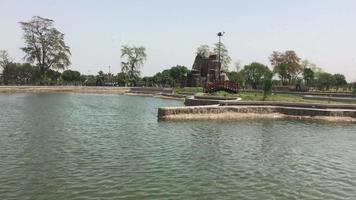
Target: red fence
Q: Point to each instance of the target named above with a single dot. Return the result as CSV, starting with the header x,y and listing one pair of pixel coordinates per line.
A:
x,y
221,85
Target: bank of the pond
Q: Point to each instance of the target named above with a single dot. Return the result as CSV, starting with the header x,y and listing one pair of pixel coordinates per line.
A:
x,y
73,89
165,93
258,112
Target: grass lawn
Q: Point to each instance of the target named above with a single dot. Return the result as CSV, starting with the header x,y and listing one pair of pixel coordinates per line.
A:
x,y
188,90
258,96
255,96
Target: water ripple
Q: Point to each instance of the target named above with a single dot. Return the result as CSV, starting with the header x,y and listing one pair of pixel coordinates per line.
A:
x,y
77,146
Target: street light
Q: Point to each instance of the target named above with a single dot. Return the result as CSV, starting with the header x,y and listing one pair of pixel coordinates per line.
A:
x,y
109,74
220,34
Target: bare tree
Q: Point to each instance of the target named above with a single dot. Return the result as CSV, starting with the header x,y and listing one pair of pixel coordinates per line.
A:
x,y
135,57
203,51
5,58
238,65
225,58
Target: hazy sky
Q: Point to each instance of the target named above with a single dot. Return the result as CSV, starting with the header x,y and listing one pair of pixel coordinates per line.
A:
x,y
322,31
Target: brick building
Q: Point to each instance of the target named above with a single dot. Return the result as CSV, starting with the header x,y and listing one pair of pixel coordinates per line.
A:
x,y
204,70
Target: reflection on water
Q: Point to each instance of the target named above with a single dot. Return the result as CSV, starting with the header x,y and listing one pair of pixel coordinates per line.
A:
x,y
77,146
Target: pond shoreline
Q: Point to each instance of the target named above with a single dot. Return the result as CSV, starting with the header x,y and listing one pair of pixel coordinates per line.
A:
x,y
221,110
163,93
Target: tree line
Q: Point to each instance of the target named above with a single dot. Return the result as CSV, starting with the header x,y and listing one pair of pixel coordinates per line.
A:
x,y
291,73
47,58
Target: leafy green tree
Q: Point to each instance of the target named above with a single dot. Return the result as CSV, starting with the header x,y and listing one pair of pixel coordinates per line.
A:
x,y
225,58
308,76
254,73
44,45
267,84
282,71
172,77
83,78
166,79
354,87
340,80
10,73
237,77
25,72
325,81
53,75
122,79
71,76
163,78
148,81
134,58
177,73
90,80
100,78
286,65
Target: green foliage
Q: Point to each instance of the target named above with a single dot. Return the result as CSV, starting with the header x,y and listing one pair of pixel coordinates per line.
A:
x,y
9,73
267,84
222,94
236,77
254,73
340,80
100,78
286,65
178,73
90,80
225,58
172,77
122,79
44,44
189,90
25,73
354,88
324,81
53,75
308,76
71,76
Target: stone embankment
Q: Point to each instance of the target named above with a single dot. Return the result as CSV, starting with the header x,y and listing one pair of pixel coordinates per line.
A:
x,y
222,108
139,91
210,100
349,99
73,89
256,112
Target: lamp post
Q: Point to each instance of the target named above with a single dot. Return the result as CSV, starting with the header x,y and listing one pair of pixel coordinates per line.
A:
x,y
220,34
109,74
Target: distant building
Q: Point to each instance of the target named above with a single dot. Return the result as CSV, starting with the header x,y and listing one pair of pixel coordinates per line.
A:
x,y
205,70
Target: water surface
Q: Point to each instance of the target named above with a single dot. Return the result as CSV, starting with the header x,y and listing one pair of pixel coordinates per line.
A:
x,y
81,146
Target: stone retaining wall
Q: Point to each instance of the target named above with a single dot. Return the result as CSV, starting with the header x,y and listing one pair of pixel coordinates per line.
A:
x,y
215,97
330,98
198,102
333,94
85,89
74,89
239,112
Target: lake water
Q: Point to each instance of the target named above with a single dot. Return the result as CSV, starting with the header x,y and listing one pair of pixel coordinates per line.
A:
x,y
85,146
